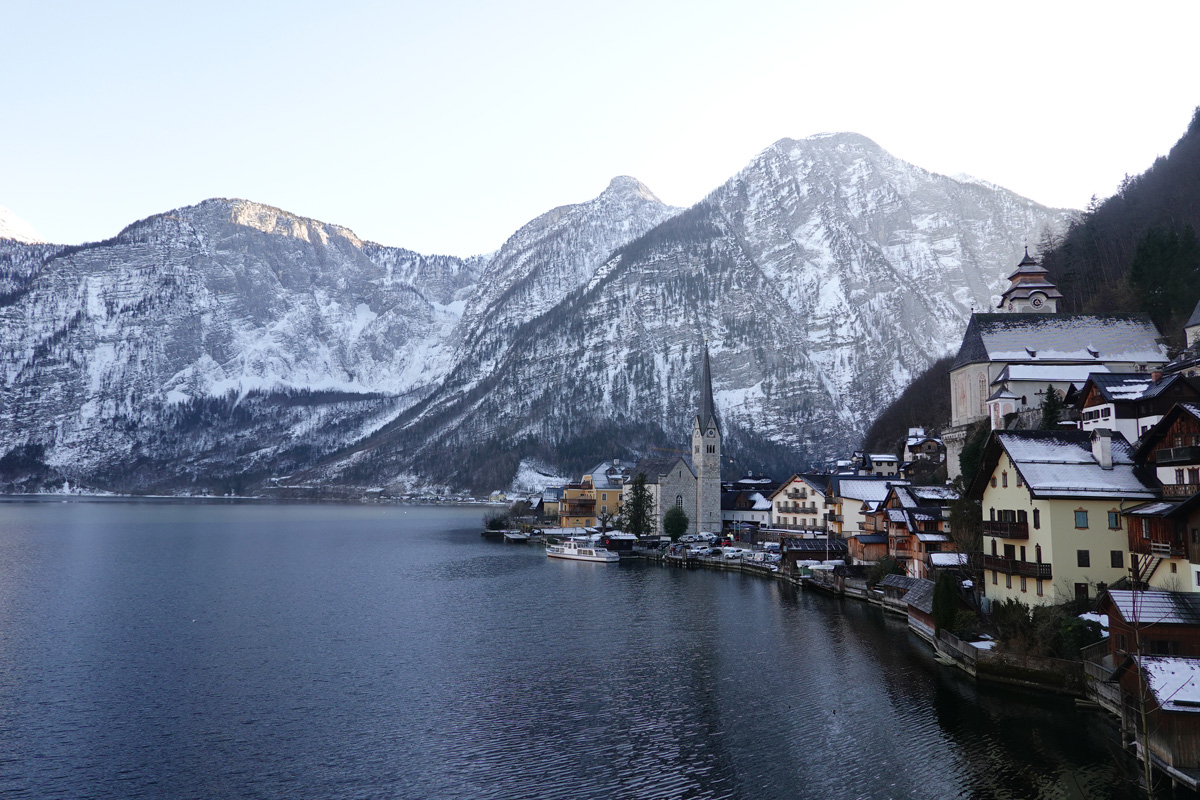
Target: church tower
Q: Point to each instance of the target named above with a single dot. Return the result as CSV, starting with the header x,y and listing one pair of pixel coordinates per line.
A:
x,y
1030,291
706,456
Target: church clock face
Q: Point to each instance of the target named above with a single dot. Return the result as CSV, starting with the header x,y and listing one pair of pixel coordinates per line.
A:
x,y
1036,302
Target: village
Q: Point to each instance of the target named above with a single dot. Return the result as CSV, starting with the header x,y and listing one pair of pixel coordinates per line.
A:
x,y
1071,471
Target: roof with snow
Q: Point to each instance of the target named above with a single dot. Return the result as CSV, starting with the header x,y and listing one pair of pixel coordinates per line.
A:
x,y
943,560
1049,338
609,475
1151,607
864,488
1174,681
1194,319
1049,373
932,537
1061,464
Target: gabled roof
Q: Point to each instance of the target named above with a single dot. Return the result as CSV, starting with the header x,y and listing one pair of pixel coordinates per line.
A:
x,y
1152,437
920,596
657,467
1061,464
869,538
1049,338
863,487
1151,607
904,582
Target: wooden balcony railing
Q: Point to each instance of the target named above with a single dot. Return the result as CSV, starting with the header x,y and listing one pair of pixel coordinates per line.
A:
x,y
1180,489
1006,530
1011,566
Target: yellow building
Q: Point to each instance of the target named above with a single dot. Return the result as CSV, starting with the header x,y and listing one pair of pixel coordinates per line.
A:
x,y
598,495
1052,503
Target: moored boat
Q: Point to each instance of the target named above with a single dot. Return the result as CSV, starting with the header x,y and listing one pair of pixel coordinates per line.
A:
x,y
581,550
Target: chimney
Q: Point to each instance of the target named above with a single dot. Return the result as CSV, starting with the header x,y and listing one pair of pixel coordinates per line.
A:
x,y
1102,447
1156,375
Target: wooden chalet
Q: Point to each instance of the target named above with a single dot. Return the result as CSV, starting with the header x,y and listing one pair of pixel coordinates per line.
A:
x,y
1168,688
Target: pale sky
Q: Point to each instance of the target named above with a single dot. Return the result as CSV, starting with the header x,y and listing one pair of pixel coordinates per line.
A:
x,y
444,126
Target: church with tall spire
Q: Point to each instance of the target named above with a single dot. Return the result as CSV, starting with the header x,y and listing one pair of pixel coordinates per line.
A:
x,y
706,454
691,483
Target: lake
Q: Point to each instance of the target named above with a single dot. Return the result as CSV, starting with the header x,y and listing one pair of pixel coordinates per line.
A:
x,y
222,650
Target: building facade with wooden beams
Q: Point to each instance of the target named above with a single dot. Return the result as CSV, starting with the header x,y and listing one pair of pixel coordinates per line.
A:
x,y
1053,523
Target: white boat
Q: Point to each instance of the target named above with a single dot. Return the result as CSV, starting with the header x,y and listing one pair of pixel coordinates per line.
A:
x,y
517,537
581,550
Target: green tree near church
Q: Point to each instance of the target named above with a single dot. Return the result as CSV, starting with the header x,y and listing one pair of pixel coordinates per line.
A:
x,y
1052,409
637,511
675,523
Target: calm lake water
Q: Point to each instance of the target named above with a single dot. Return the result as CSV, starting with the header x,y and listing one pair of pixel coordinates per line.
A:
x,y
188,650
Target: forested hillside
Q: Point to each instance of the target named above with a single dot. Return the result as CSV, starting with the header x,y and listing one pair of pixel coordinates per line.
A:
x,y
1138,250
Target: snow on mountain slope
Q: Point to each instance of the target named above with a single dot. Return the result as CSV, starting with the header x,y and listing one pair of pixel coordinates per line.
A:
x,y
230,345
825,275
17,229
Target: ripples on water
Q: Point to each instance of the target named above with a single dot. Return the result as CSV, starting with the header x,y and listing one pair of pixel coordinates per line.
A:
x,y
174,650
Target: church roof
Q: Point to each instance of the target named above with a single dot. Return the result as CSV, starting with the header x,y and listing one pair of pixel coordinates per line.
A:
x,y
657,467
707,416
1049,338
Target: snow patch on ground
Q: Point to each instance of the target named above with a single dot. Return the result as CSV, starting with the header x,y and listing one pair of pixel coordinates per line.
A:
x,y
532,477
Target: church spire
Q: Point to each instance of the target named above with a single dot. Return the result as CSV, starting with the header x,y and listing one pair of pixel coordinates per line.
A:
x,y
708,412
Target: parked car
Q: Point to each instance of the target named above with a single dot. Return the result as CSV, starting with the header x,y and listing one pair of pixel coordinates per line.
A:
x,y
707,537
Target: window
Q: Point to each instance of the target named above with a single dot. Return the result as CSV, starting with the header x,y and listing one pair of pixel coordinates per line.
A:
x,y
1004,479
1173,570
1083,558
1039,587
1007,581
992,514
995,576
993,481
1037,518
1179,475
1010,552
1081,592
1080,518
697,449
994,550
1116,559
1022,552
1020,482
1038,553
1022,583
604,496
1193,475
679,501
1114,520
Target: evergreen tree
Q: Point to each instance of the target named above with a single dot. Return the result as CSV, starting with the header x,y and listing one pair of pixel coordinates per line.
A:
x,y
1052,409
945,601
637,511
675,523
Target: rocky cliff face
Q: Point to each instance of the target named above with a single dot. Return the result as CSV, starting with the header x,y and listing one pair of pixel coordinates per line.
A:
x,y
232,346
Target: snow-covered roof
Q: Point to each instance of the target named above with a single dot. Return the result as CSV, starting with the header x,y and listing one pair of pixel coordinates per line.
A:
x,y
897,515
948,559
1174,681
882,457
1082,338
1150,607
1194,319
932,537
1061,464
1157,508
936,493
1049,373
864,489
760,503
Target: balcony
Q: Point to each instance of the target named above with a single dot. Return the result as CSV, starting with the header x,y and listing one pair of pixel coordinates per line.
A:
x,y
1011,566
1177,455
1149,547
1180,489
1006,530
792,494
832,517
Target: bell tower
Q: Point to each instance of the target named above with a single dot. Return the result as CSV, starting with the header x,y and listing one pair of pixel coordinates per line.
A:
x,y
706,455
1030,291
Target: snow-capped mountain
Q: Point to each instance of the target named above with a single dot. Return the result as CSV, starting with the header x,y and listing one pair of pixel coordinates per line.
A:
x,y
231,346
17,229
